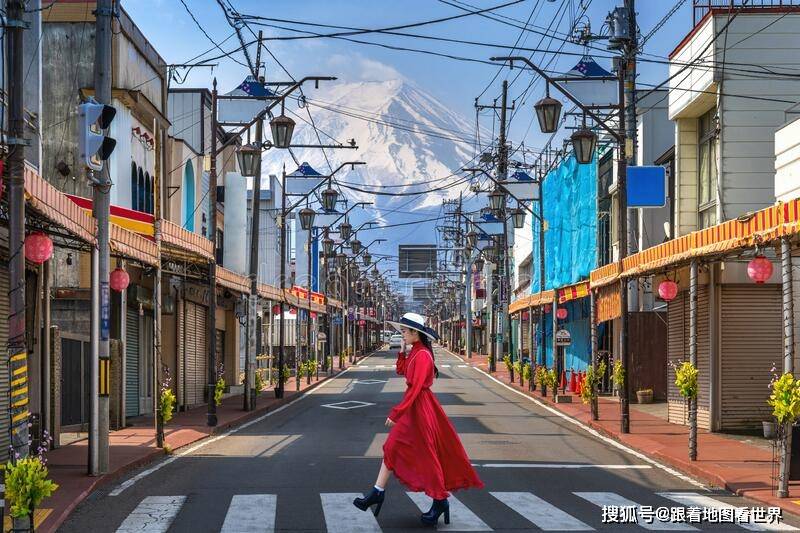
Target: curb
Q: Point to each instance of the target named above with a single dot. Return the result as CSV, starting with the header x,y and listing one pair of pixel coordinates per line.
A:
x,y
53,521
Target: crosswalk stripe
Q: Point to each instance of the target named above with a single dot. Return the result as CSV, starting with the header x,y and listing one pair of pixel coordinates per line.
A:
x,y
546,516
251,513
153,515
462,366
612,499
445,366
461,518
693,499
341,516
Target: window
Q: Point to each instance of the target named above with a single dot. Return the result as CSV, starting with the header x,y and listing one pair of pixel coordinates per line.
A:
x,y
707,170
140,189
187,207
134,185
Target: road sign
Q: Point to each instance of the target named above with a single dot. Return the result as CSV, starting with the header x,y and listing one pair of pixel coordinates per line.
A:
x,y
563,338
647,186
337,321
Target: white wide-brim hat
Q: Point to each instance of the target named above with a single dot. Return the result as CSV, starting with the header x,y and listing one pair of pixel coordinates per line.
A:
x,y
415,322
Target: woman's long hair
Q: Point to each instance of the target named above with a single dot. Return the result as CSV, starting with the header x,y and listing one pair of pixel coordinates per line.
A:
x,y
426,342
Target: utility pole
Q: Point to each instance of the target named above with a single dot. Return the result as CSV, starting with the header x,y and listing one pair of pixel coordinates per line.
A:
x,y
501,325
251,350
18,357
627,127
282,319
99,421
211,321
629,57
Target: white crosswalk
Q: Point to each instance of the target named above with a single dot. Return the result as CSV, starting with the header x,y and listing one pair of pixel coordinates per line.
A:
x,y
256,513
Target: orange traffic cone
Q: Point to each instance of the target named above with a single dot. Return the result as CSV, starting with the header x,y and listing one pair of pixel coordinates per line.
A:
x,y
563,384
573,380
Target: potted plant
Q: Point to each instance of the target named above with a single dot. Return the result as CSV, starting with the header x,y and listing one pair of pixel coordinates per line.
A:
x,y
618,375
27,485
588,388
770,428
541,378
644,395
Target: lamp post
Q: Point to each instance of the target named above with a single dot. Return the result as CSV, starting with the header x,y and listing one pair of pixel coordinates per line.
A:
x,y
581,143
279,389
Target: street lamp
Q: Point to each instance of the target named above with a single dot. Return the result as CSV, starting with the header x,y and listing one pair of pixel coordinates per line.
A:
x,y
355,246
327,246
518,215
341,260
329,197
367,259
479,262
248,156
345,229
548,111
307,218
497,199
282,128
583,142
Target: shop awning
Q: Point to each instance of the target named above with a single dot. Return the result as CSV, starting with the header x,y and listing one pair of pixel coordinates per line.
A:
x,y
533,300
231,280
135,246
182,244
573,292
744,232
57,207
269,292
608,303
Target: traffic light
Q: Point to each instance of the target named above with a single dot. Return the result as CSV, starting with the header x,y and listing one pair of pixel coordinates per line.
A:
x,y
94,146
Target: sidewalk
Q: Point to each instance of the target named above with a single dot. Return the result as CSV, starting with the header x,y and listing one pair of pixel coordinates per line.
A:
x,y
722,461
135,446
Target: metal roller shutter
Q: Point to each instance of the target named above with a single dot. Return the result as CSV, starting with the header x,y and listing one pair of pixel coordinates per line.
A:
x,y
132,351
5,440
752,341
195,343
678,351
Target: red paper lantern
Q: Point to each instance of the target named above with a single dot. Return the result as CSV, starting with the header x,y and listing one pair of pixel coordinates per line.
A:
x,y
38,248
276,309
759,269
292,311
561,313
547,308
667,290
313,315
525,315
119,279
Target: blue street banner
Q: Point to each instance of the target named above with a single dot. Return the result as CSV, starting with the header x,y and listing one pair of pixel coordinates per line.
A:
x,y
647,186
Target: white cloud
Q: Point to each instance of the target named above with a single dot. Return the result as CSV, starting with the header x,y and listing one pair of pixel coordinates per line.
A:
x,y
356,67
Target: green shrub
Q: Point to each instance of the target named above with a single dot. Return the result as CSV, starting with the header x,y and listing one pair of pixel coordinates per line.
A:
x,y
27,485
167,405
219,389
686,379
785,399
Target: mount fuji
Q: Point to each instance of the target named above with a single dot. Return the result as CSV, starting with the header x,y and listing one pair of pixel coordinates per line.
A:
x,y
405,135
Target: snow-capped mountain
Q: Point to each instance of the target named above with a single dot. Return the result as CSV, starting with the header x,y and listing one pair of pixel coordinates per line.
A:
x,y
404,134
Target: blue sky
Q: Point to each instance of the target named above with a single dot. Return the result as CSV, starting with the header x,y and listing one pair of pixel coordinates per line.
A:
x,y
171,30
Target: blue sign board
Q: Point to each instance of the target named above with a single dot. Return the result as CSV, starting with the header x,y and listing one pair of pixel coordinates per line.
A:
x,y
647,186
337,321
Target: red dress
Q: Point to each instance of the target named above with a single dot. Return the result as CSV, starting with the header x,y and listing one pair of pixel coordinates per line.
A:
x,y
423,449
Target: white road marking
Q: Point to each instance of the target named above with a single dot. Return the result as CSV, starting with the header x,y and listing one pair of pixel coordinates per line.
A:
x,y
595,433
463,366
461,518
692,499
153,515
350,404
251,513
143,474
601,499
341,516
445,366
563,465
545,515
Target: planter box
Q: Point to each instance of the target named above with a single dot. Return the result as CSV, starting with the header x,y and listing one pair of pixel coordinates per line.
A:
x,y
563,398
644,397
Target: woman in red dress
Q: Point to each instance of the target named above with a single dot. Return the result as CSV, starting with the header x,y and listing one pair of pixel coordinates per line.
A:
x,y
423,449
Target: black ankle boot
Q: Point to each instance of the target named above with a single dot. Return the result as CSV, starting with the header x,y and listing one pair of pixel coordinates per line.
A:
x,y
375,497
438,508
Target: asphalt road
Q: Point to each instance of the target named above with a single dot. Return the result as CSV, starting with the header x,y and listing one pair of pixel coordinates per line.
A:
x,y
299,468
